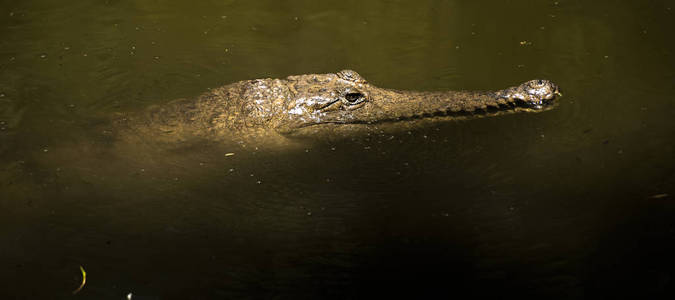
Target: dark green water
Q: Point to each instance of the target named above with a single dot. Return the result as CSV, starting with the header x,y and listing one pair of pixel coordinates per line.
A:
x,y
577,202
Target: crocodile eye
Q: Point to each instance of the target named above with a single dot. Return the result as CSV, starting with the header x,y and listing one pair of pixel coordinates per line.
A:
x,y
354,98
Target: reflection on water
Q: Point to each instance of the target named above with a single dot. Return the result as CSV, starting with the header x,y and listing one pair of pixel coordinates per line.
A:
x,y
570,203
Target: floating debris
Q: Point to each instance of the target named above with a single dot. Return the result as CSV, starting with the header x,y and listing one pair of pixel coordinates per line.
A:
x,y
229,154
84,280
659,196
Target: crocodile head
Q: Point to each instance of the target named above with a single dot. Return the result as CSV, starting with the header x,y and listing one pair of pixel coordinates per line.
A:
x,y
325,98
347,98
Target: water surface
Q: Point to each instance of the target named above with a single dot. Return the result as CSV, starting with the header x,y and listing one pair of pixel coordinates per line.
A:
x,y
576,202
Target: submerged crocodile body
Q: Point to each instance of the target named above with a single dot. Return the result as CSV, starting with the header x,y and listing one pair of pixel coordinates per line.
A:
x,y
284,106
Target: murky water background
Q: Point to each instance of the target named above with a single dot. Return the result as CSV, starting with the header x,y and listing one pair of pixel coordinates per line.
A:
x,y
576,202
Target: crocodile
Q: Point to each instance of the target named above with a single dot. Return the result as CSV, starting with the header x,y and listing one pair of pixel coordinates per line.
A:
x,y
296,103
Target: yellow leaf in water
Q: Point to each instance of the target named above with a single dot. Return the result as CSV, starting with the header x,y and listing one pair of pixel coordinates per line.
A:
x,y
84,280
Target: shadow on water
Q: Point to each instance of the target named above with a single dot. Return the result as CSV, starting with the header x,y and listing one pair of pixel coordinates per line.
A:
x,y
211,225
576,202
